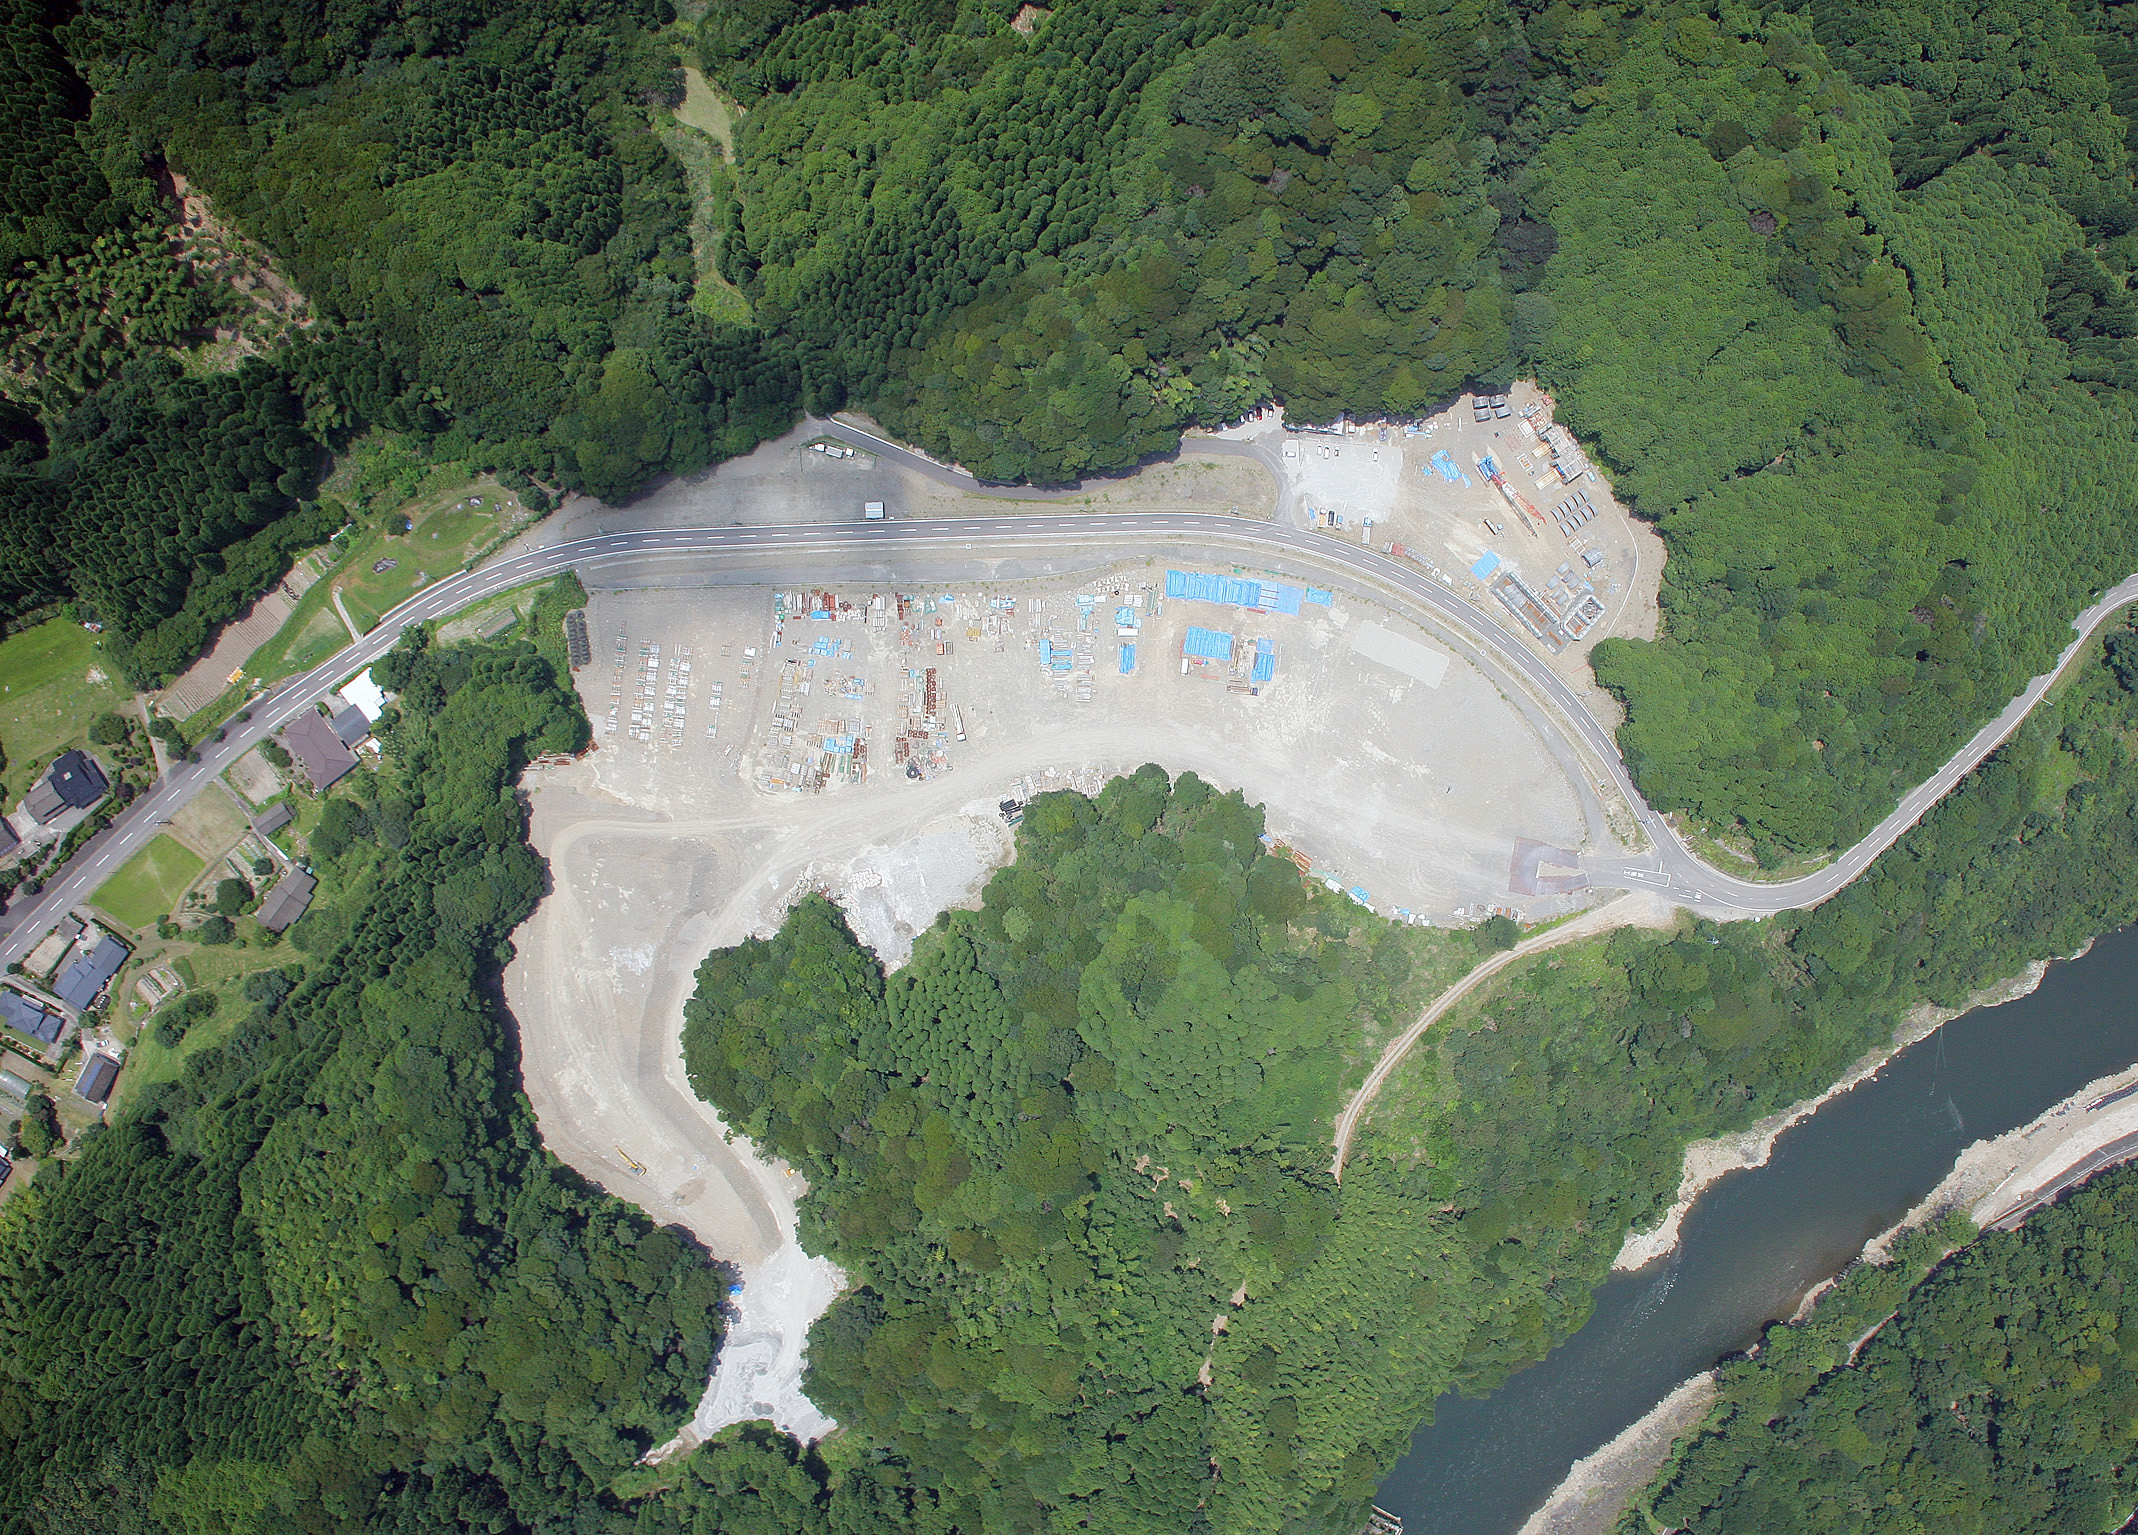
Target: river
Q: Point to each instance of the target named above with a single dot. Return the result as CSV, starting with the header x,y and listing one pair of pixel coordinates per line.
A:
x,y
1758,1240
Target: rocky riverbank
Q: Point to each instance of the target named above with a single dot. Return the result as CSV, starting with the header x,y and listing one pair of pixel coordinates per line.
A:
x,y
1710,1160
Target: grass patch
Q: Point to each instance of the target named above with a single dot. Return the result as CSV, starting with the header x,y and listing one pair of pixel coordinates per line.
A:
x,y
327,636
471,621
312,621
198,725
707,110
48,695
149,1061
149,883
702,138
442,541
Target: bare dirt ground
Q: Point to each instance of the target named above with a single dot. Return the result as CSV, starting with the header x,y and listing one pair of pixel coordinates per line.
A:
x,y
208,823
1381,480
255,777
747,751
714,798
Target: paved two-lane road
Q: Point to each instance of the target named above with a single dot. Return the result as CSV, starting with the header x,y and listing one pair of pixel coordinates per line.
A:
x,y
876,551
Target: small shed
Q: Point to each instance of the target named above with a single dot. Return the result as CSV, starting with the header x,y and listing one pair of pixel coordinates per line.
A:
x,y
100,1073
351,725
273,818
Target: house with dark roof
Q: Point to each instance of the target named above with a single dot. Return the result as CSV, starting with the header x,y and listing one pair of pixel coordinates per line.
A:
x,y
83,979
8,840
99,1074
74,782
351,726
27,1015
312,740
287,901
273,818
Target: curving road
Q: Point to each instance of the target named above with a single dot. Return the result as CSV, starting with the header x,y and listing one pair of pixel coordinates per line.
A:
x,y
866,550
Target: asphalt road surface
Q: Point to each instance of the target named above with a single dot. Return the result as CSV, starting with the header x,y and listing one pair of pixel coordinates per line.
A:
x,y
876,551
2013,1216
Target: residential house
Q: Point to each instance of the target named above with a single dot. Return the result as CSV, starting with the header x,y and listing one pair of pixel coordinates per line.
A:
x,y
319,750
74,782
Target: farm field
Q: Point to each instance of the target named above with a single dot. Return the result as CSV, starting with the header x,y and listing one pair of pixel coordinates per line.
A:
x,y
150,883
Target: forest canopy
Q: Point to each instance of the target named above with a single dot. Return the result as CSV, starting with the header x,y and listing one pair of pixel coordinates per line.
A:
x,y
1995,1394
1100,1276
1840,294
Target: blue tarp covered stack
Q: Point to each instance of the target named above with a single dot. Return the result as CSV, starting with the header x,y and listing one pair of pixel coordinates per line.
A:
x,y
1265,662
1206,645
1235,591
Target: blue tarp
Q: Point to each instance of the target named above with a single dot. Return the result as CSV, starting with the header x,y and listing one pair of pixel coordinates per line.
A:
x,y
1062,660
1316,595
1359,896
1128,659
1234,591
1485,566
1265,661
1125,618
1207,644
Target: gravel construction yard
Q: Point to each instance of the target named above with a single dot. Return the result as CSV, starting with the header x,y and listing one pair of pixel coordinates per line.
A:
x,y
753,742
747,752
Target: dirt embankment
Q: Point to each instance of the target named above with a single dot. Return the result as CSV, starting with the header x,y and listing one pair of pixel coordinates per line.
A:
x,y
1598,1486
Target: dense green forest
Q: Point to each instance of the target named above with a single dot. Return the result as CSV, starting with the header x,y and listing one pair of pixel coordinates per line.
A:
x,y
1839,291
1994,1397
1082,1134
1101,1277
328,1279
478,208
1073,1157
